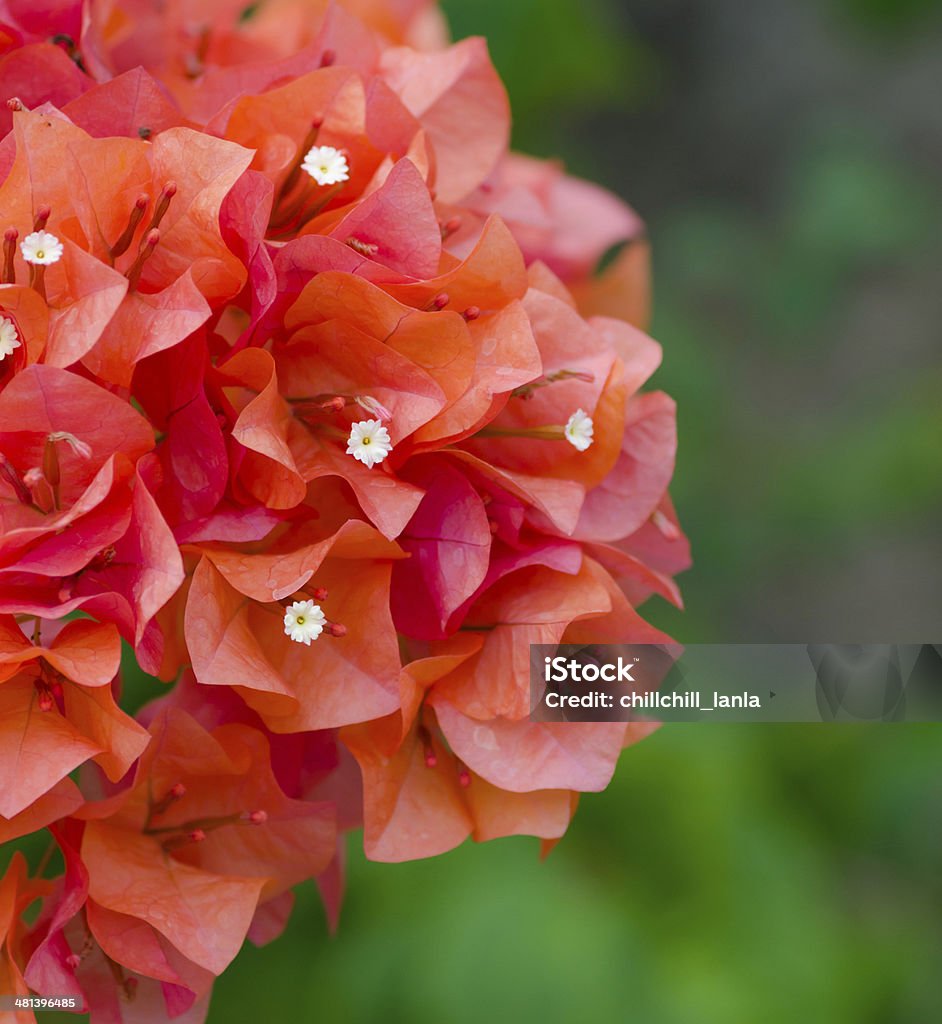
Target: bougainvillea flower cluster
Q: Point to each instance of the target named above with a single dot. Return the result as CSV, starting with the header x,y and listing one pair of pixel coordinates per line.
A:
x,y
314,403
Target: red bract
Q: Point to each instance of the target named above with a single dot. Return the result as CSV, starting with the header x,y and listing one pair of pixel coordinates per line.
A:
x,y
79,527
311,395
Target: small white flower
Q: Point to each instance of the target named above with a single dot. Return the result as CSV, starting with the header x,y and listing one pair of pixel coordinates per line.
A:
x,y
41,247
8,339
369,442
304,622
326,165
579,430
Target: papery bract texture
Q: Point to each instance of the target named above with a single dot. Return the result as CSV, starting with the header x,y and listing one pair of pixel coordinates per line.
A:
x,y
314,410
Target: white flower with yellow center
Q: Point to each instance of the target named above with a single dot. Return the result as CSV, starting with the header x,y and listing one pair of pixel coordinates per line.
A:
x,y
42,248
9,342
326,165
579,430
304,622
369,442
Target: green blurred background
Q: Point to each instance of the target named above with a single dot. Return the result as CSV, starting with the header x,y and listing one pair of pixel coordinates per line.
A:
x,y
786,158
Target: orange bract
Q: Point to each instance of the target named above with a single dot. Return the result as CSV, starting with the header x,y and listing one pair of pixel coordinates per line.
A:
x,y
328,450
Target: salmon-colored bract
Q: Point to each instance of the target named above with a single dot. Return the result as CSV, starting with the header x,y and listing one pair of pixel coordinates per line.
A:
x,y
315,414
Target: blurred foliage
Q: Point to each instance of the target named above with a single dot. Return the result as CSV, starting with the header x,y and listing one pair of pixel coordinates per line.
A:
x,y
895,16
557,60
731,874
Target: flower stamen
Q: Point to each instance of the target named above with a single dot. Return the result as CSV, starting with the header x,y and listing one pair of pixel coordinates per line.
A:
x,y
310,140
40,249
296,218
163,204
196,831
578,431
46,702
146,250
526,390
51,470
196,835
450,227
428,751
103,559
176,793
9,252
368,249
127,236
42,218
373,406
9,473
